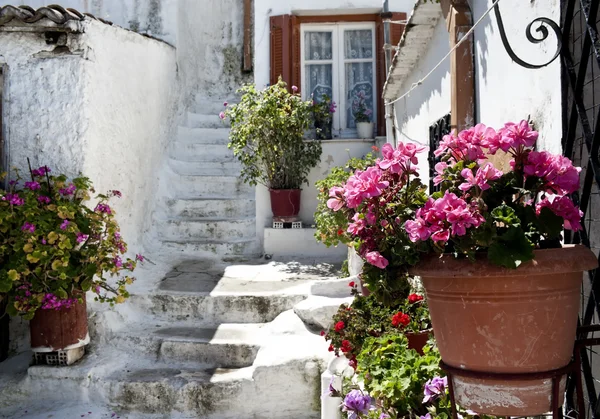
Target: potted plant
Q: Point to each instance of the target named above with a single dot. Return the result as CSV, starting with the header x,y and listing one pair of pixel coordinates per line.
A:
x,y
267,137
487,247
362,116
54,249
323,110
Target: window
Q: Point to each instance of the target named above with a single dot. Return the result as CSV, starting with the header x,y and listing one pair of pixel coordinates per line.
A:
x,y
338,60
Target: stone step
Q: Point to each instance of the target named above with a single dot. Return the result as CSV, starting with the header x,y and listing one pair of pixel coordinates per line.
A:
x,y
193,249
203,135
208,228
212,105
227,346
208,168
185,187
192,152
212,207
211,310
198,120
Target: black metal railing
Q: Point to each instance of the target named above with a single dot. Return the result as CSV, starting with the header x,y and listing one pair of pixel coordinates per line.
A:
x,y
436,132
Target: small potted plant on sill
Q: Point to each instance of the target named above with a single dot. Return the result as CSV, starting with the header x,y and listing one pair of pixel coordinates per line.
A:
x,y
362,116
267,137
54,249
502,291
323,110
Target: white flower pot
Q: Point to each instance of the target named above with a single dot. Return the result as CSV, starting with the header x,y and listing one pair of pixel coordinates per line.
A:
x,y
365,130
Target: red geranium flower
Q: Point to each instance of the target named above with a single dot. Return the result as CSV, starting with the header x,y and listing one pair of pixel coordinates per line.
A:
x,y
400,319
331,349
340,232
352,284
346,347
322,333
413,298
339,326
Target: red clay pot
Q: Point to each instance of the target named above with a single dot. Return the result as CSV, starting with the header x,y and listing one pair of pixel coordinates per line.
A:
x,y
54,330
491,319
285,202
417,341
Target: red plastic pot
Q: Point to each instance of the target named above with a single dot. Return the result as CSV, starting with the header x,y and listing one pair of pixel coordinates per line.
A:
x,y
56,330
285,202
417,341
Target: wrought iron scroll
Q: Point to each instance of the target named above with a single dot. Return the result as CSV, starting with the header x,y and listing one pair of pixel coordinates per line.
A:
x,y
543,35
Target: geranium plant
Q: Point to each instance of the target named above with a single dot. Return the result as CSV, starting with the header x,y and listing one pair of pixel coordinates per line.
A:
x,y
323,110
267,136
54,247
359,107
478,209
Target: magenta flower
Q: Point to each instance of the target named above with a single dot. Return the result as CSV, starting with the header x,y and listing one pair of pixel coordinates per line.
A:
x,y
364,185
28,227
375,259
70,190
294,89
468,145
225,104
518,134
65,225
484,174
33,186
357,226
557,172
418,230
336,201
42,171
439,169
139,258
116,193
118,262
399,160
13,199
43,199
565,208
103,208
222,115
81,238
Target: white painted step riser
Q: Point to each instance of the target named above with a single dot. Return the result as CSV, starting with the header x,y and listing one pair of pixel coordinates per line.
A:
x,y
214,354
201,152
211,311
220,230
195,120
212,105
208,186
203,135
230,208
208,168
192,250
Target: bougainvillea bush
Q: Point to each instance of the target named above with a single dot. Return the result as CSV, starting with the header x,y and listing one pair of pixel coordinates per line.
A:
x,y
368,317
54,248
479,209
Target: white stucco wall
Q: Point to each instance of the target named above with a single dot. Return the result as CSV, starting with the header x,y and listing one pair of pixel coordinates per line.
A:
x,y
430,101
264,9
104,109
154,17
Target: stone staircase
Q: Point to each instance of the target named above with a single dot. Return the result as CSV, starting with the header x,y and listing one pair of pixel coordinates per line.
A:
x,y
209,212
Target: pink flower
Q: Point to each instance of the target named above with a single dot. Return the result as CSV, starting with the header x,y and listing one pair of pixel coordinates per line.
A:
x,y
33,186
557,172
118,262
64,225
13,199
225,104
399,160
439,169
81,237
294,89
336,201
375,259
43,199
357,226
518,134
28,228
222,115
362,185
139,258
371,217
418,230
565,208
70,190
480,179
103,208
468,145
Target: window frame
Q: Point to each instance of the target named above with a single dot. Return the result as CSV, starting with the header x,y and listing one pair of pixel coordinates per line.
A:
x,y
339,61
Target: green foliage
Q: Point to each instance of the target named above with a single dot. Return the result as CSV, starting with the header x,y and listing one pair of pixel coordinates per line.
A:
x,y
54,247
267,137
396,375
332,225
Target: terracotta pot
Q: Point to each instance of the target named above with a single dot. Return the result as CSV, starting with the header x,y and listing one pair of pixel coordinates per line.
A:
x,y
54,330
417,341
285,202
491,319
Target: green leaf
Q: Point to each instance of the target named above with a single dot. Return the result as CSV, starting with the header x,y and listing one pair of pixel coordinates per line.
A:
x,y
550,224
5,285
61,293
511,249
86,285
506,215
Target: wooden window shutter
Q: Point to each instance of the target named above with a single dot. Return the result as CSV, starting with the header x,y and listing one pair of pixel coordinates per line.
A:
x,y
396,32
285,50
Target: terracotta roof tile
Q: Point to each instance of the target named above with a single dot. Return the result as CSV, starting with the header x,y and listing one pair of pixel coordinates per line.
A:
x,y
55,13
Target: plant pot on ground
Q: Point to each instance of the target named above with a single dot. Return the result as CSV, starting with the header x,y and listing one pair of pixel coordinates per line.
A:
x,y
267,137
59,249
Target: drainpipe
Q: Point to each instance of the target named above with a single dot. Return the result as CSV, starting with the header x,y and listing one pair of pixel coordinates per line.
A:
x,y
389,109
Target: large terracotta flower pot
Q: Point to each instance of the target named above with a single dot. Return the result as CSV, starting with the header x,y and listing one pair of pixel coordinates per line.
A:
x,y
285,202
490,319
59,330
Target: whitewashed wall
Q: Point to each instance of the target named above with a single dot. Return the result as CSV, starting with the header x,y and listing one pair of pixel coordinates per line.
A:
x,y
430,101
91,111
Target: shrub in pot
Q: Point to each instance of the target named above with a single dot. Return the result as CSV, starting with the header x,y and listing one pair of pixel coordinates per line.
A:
x,y
53,250
267,137
502,291
362,116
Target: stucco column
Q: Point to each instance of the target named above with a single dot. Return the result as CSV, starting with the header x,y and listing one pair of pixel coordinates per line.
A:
x,y
459,21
